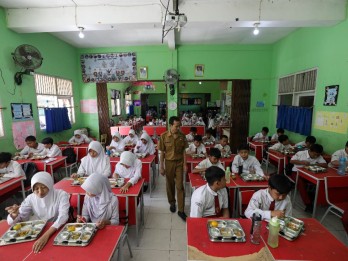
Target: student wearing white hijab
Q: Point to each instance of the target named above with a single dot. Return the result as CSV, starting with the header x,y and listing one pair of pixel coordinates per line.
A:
x,y
95,161
100,205
117,143
79,137
128,167
131,138
45,203
145,145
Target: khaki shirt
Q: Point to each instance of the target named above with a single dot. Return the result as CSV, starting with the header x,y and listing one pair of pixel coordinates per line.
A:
x,y
173,147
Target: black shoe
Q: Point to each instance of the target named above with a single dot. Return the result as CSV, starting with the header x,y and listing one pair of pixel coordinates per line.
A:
x,y
172,208
146,186
182,215
309,208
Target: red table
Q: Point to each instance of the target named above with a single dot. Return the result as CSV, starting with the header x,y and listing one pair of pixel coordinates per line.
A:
x,y
200,129
80,150
130,203
11,185
318,180
147,163
153,129
103,245
258,147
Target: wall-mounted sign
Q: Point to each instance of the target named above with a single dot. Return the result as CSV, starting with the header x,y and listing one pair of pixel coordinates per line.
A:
x,y
21,111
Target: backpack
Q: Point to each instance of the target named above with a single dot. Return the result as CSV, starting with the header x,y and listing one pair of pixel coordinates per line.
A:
x,y
70,154
29,169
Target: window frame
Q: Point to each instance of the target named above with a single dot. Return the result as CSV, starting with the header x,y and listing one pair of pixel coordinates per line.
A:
x,y
2,130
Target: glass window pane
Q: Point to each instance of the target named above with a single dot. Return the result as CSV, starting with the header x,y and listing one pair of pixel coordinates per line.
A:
x,y
306,101
118,106
47,101
1,125
285,99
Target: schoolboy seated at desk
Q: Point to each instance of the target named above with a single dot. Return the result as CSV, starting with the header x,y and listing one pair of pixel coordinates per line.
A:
x,y
245,163
208,136
32,147
117,143
145,145
222,146
306,144
335,158
283,144
211,200
212,160
273,201
262,136
51,150
306,158
275,136
131,139
79,137
192,134
10,168
196,147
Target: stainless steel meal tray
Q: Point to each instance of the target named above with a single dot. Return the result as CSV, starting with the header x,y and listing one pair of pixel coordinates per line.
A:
x,y
225,231
316,169
117,183
251,177
290,228
78,182
75,234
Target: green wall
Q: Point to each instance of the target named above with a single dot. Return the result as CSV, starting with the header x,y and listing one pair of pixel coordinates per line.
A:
x,y
59,60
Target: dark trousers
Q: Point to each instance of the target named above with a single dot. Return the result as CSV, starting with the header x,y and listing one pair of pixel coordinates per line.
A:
x,y
174,178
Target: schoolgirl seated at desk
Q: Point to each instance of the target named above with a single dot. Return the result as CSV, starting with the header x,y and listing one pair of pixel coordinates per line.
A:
x,y
145,145
79,137
117,143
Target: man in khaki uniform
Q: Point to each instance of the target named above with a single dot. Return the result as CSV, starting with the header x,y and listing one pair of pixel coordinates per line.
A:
x,y
173,164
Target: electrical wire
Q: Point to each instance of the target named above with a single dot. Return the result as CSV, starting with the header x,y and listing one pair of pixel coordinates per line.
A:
x,y
164,24
15,86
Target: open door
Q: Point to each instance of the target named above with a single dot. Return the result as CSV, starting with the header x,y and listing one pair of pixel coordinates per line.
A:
x,y
103,111
240,109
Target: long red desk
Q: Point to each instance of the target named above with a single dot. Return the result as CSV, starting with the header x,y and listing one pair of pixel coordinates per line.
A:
x,y
153,129
200,129
129,200
103,245
10,185
258,147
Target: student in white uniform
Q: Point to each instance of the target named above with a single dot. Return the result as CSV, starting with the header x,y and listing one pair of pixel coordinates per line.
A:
x,y
145,145
32,147
45,203
262,136
222,146
212,160
10,168
51,150
129,167
131,139
192,134
273,201
335,158
211,200
310,140
197,147
100,205
95,162
275,136
208,136
245,163
117,143
283,144
79,137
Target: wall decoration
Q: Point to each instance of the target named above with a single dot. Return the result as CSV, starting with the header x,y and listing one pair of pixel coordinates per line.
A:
x,y
137,103
21,111
21,130
143,72
331,95
331,121
89,106
191,101
260,104
109,67
199,70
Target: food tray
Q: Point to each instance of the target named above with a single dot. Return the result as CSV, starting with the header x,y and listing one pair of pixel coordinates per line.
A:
x,y
75,234
116,154
209,143
116,183
23,232
290,228
316,169
225,231
78,182
288,152
251,177
20,157
38,157
195,156
140,155
74,144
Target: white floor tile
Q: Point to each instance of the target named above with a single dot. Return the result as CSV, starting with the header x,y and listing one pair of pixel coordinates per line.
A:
x,y
158,221
155,239
178,240
177,255
151,255
160,205
177,222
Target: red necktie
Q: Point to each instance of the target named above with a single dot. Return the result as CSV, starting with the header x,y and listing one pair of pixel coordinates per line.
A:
x,y
217,206
271,207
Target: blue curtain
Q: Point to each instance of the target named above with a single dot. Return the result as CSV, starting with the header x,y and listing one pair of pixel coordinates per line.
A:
x,y
295,119
57,120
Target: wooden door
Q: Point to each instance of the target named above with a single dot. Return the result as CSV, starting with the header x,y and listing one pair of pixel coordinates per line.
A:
x,y
103,111
144,104
240,109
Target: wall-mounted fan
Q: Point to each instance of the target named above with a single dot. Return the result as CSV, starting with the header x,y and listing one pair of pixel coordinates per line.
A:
x,y
27,57
171,77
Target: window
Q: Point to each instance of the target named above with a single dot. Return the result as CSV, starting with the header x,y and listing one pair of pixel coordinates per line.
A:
x,y
53,92
115,102
298,89
128,103
1,125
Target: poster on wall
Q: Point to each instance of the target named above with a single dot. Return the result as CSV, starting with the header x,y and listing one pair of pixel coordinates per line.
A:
x,y
20,131
331,95
109,67
89,106
331,121
21,111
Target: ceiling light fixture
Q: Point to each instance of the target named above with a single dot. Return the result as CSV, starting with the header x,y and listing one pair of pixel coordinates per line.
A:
x,y
81,34
256,28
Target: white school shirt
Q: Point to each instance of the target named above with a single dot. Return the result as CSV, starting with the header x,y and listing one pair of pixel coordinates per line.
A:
x,y
259,137
133,173
82,139
279,147
13,170
301,143
203,201
190,137
261,201
304,156
127,140
251,161
200,149
147,148
119,146
226,148
40,148
337,155
211,139
275,136
204,164
54,151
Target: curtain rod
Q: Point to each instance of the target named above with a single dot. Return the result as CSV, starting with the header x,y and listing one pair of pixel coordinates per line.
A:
x,y
3,108
40,107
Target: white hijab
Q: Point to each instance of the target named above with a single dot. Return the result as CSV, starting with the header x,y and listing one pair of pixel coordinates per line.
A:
x,y
98,163
131,131
77,132
128,158
149,147
118,135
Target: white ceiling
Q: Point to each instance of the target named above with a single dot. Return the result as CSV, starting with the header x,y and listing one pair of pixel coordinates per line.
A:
x,y
110,23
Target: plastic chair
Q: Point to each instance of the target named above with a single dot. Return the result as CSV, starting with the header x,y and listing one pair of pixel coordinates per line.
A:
x,y
244,199
336,192
103,139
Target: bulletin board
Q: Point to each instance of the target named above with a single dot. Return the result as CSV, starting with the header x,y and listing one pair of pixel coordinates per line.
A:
x,y
21,111
331,121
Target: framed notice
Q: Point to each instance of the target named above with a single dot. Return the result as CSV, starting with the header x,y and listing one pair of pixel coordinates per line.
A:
x,y
21,111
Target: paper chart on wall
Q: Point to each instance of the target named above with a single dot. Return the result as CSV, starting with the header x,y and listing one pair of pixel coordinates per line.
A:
x,y
89,106
331,121
20,131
